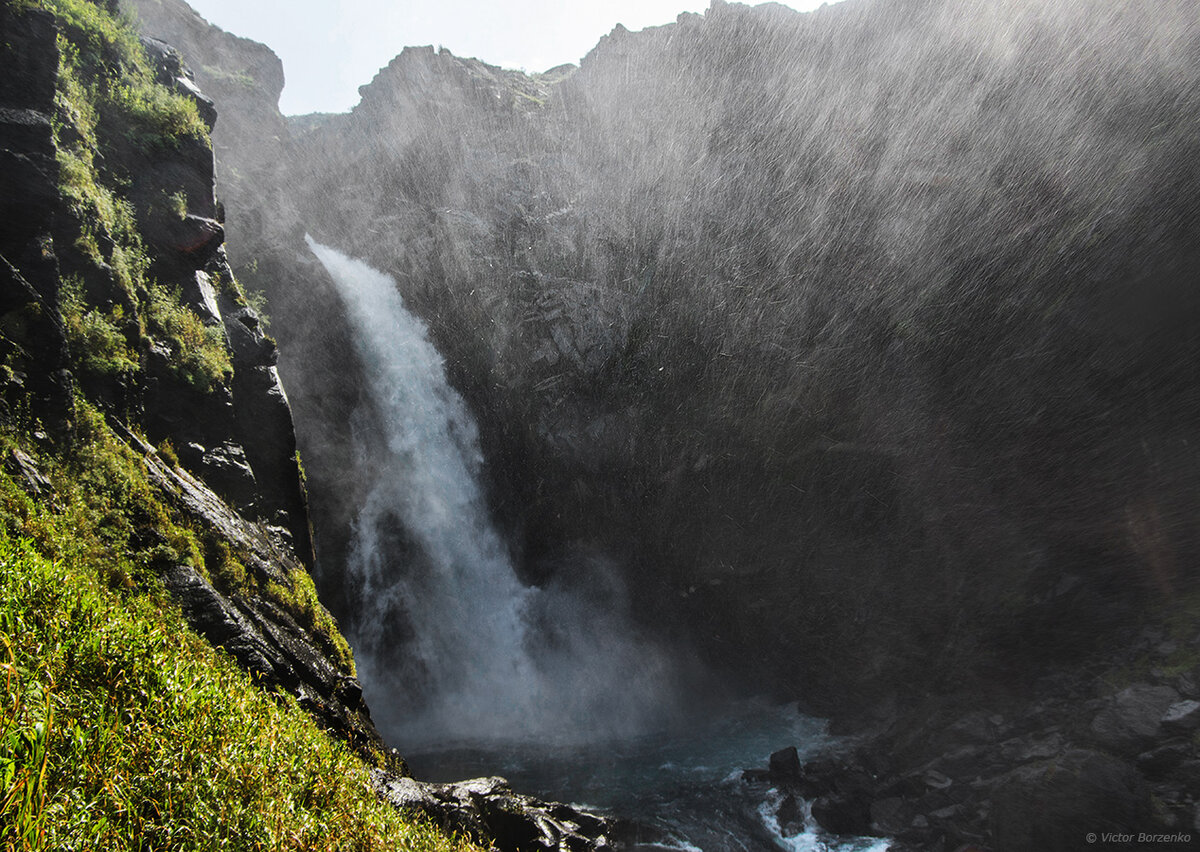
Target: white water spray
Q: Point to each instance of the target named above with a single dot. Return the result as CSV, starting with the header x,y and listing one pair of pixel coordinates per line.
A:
x,y
451,645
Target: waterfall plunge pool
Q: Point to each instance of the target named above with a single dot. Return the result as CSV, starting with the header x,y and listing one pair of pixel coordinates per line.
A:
x,y
682,787
487,673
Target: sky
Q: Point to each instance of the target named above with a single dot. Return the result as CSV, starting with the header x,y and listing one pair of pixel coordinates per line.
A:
x,y
331,47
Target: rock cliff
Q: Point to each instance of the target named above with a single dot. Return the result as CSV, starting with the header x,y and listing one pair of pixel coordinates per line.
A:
x,y
117,294
140,392
859,336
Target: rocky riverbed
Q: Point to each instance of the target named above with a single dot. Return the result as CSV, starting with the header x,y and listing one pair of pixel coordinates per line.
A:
x,y
1108,749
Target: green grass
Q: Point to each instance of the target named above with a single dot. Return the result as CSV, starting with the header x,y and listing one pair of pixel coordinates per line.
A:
x,y
122,729
96,335
110,64
199,355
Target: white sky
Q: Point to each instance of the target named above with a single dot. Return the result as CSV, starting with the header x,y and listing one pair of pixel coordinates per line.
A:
x,y
331,47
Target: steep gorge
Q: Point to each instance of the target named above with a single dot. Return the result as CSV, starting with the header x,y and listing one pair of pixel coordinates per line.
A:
x,y
862,341
171,679
852,335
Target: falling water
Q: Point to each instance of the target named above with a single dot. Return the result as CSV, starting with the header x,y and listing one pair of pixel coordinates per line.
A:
x,y
452,646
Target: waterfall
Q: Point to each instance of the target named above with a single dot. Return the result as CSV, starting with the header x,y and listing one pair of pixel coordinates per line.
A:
x,y
451,646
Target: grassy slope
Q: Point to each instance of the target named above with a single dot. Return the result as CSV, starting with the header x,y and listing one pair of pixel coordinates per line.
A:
x,y
120,728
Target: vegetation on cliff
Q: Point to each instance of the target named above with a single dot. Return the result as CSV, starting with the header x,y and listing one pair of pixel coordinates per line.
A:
x,y
122,329
120,727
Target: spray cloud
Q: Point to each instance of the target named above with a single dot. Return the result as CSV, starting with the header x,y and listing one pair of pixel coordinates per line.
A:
x,y
450,642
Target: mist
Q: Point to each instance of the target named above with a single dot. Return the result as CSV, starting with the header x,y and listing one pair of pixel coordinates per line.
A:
x,y
451,646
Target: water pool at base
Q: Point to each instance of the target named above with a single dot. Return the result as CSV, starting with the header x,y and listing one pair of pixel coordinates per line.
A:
x,y
684,787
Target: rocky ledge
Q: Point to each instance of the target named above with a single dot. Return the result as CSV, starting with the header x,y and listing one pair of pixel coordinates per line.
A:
x,y
487,810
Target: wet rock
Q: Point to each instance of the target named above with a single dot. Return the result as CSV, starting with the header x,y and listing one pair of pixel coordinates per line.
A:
x,y
251,346
21,466
972,729
225,469
785,764
1162,761
216,619
199,294
844,813
1188,684
1031,747
1182,718
889,816
790,816
937,780
264,639
489,811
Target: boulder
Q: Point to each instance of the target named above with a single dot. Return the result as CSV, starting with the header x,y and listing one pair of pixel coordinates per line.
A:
x,y
1132,718
790,816
1055,804
785,764
489,811
844,813
890,816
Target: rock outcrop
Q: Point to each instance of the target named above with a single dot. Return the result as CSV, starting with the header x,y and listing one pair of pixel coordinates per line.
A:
x,y
229,466
488,810
1074,756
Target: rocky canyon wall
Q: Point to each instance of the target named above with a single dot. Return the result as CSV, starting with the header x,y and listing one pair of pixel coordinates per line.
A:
x,y
863,339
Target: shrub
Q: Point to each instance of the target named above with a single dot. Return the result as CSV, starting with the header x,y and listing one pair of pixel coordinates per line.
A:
x,y
95,336
200,356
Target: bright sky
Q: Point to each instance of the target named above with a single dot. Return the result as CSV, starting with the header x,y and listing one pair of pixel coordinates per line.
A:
x,y
331,47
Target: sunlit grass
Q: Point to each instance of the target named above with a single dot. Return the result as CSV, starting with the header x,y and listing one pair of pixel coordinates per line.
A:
x,y
122,729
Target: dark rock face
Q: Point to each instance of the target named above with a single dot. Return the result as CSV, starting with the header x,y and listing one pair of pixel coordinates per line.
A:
x,y
880,370
1041,770
31,335
803,355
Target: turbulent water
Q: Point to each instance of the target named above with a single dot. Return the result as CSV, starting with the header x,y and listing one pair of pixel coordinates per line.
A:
x,y
684,786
